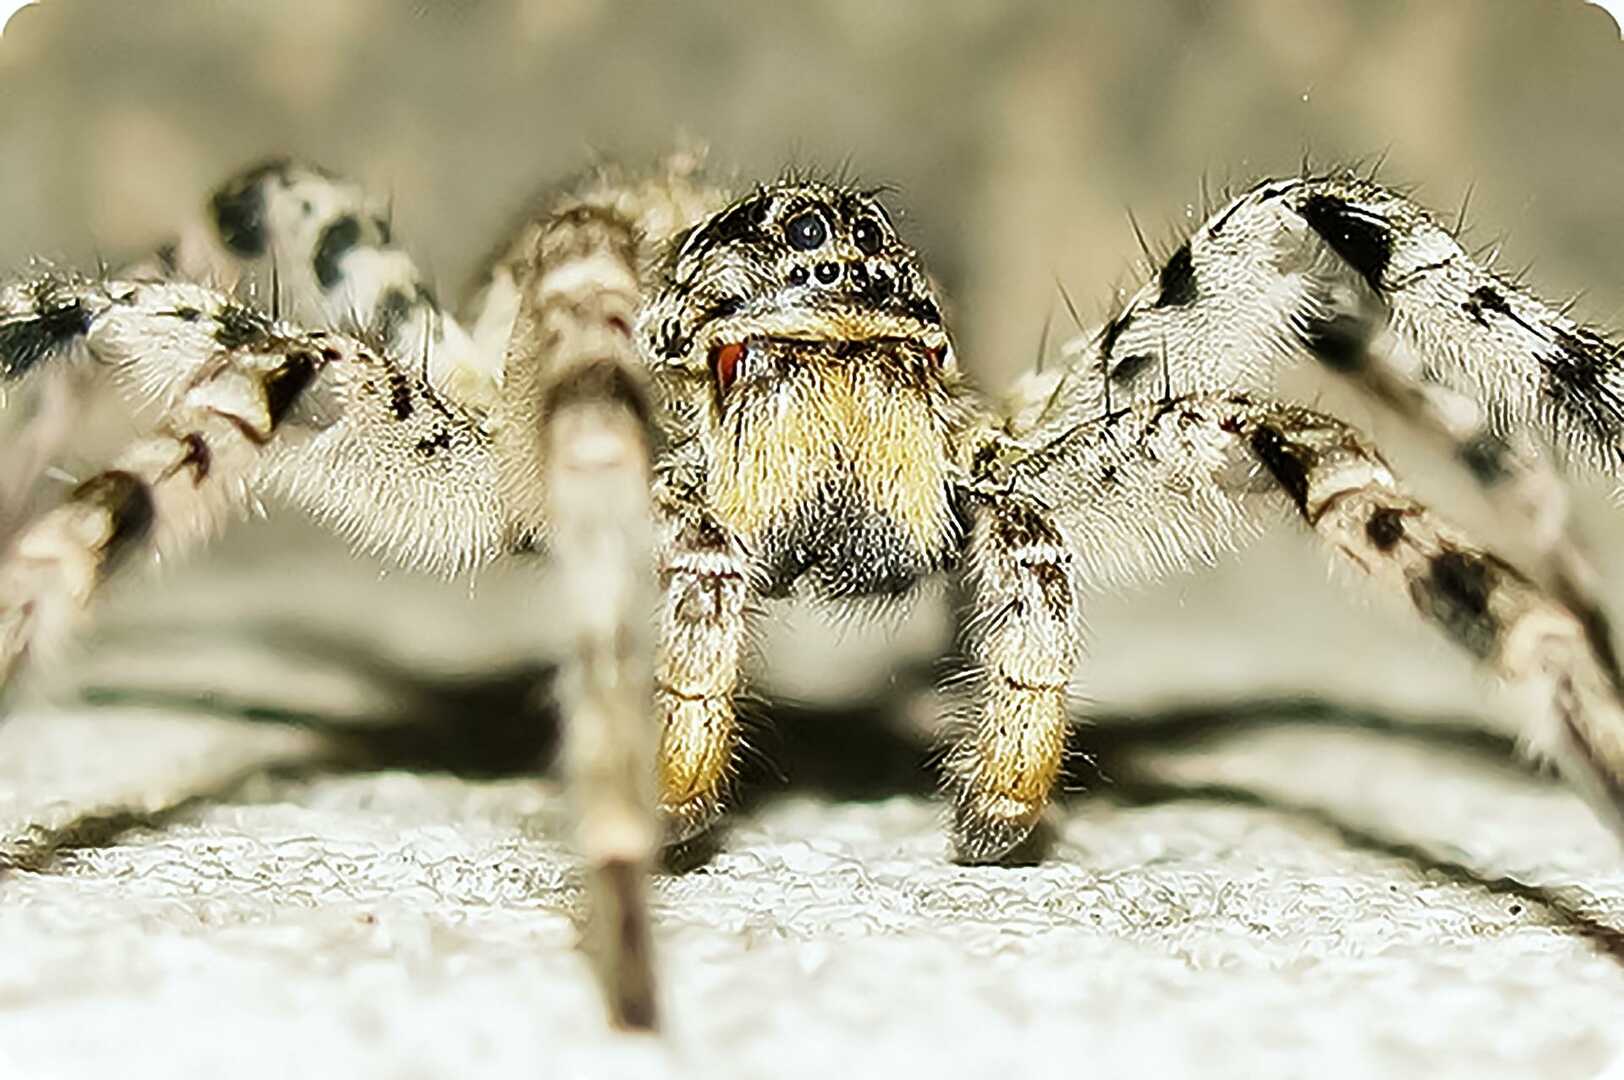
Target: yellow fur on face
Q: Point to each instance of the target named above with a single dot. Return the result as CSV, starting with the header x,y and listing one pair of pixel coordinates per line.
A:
x,y
876,423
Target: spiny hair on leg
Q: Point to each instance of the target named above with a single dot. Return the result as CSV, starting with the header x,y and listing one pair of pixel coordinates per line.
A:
x,y
375,449
1317,265
1205,469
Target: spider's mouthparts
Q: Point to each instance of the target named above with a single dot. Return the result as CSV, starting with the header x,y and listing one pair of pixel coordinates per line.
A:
x,y
724,362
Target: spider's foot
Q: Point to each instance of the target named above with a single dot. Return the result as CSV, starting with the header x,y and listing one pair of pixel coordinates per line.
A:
x,y
696,751
992,829
622,947
691,818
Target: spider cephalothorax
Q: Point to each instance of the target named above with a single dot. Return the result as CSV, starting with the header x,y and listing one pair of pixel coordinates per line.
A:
x,y
820,385
693,405
797,260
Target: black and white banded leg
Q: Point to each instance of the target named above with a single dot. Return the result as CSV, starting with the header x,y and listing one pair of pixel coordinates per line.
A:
x,y
247,405
1365,282
1163,485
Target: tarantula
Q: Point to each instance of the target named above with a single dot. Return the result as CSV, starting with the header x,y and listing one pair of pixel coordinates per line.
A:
x,y
693,403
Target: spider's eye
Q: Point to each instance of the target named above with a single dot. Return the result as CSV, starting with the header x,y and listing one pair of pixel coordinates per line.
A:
x,y
866,235
806,231
724,362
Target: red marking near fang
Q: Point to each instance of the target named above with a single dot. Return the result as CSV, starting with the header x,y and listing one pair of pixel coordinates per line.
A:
x,y
724,360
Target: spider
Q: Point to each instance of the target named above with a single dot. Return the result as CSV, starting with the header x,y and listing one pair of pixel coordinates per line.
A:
x,y
693,404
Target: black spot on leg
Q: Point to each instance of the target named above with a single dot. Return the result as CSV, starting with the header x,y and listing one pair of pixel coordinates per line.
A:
x,y
1583,379
1385,528
440,440
1455,594
1340,342
1178,279
1052,586
239,210
400,395
394,308
54,326
1131,367
239,327
1487,456
337,240
1484,299
1359,236
168,258
284,384
1289,463
198,458
129,505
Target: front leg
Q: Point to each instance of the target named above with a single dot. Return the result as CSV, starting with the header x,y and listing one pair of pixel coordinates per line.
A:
x,y
1025,641
702,632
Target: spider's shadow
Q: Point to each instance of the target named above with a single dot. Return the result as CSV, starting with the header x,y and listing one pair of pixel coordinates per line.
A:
x,y
504,723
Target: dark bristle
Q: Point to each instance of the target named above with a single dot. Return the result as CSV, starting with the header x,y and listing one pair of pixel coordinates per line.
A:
x,y
1113,331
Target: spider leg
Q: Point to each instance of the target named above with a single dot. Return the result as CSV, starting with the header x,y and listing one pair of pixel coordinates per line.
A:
x,y
575,439
1024,640
669,198
330,253
703,627
1368,284
1162,485
701,569
247,404
322,251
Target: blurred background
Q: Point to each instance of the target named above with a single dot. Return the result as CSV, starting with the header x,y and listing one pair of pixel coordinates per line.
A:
x,y
179,885
1017,136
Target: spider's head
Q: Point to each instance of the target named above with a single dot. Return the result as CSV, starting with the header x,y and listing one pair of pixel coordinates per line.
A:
x,y
832,402
799,261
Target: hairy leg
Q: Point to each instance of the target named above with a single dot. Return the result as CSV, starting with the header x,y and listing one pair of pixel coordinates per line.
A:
x,y
700,568
1359,278
1025,640
703,624
247,404
1160,486
575,437
321,251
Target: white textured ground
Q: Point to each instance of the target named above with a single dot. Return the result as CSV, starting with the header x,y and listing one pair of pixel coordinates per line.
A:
x,y
199,896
